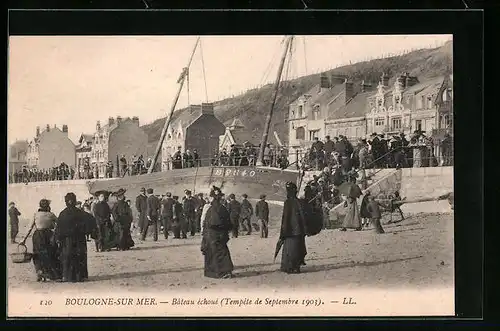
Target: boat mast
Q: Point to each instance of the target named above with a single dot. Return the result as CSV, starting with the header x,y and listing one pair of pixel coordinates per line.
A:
x,y
263,143
180,81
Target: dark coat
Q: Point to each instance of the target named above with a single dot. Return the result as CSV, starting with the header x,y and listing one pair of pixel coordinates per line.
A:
x,y
218,217
234,208
374,209
141,204
153,210
246,209
262,210
122,213
292,220
189,206
329,146
168,207
102,212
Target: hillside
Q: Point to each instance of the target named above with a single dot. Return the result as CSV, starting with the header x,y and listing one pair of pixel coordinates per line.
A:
x,y
252,106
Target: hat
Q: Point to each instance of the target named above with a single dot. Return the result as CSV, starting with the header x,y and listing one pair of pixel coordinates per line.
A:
x,y
327,137
262,196
244,195
215,192
232,196
291,187
175,197
149,191
122,191
188,192
98,193
374,134
12,203
168,194
69,198
78,202
142,190
200,194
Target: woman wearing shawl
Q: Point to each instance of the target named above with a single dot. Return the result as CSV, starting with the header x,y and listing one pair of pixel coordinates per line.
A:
x,y
352,219
216,227
293,232
122,215
72,227
44,248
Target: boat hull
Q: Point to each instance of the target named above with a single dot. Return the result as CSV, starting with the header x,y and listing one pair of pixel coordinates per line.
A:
x,y
253,181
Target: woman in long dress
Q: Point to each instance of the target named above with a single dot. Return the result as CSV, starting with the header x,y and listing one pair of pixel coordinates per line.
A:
x,y
122,215
216,227
44,248
293,232
72,227
352,219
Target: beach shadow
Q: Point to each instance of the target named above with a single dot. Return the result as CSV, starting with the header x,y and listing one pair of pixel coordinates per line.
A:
x,y
398,231
335,266
253,273
134,274
147,248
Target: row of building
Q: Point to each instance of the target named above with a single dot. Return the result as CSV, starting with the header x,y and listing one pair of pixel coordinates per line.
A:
x,y
335,106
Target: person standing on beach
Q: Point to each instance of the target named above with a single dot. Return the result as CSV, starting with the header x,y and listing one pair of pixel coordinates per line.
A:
x,y
141,205
14,222
262,213
153,213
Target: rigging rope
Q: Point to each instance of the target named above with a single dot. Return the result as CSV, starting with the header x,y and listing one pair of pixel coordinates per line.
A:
x,y
187,85
268,68
305,53
204,76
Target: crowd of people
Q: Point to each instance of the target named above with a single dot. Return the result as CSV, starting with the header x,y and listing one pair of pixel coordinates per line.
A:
x,y
26,175
379,152
247,156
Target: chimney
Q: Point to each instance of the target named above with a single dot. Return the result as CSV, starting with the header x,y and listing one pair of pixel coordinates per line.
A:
x,y
348,91
366,87
194,108
111,121
65,128
135,119
118,120
207,108
47,128
336,79
37,131
98,126
385,80
324,81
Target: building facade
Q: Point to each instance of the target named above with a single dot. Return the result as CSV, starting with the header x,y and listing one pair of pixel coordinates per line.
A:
x,y
116,138
193,128
237,134
50,148
18,153
83,154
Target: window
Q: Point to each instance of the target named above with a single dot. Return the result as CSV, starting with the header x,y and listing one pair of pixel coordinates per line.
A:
x,y
313,134
299,111
396,123
315,113
379,122
445,121
300,133
421,103
445,95
418,125
429,102
379,102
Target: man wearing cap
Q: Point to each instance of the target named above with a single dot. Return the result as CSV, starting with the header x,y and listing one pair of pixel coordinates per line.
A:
x,y
262,213
200,202
14,222
153,213
246,214
177,159
141,204
234,208
167,213
178,222
189,207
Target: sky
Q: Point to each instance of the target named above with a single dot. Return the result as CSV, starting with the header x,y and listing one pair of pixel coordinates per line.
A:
x,y
78,80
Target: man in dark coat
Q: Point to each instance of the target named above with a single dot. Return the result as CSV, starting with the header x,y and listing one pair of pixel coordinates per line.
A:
x,y
246,214
141,205
102,214
178,223
14,222
123,215
153,214
375,214
71,230
293,232
200,202
167,213
189,207
177,159
217,224
262,214
329,147
234,208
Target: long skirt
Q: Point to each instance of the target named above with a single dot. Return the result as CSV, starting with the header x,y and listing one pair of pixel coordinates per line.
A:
x,y
74,259
44,254
125,240
218,261
352,219
294,253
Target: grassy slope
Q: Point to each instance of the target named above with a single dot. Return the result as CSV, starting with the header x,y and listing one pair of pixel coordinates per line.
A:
x,y
251,107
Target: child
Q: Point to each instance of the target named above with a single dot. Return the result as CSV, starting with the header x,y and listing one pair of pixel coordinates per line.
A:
x,y
373,209
262,213
395,206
